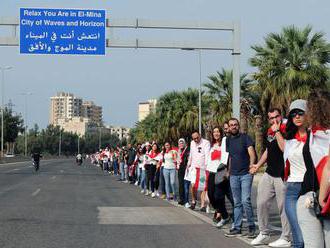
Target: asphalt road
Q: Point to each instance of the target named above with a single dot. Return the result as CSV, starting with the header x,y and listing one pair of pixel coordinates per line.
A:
x,y
69,206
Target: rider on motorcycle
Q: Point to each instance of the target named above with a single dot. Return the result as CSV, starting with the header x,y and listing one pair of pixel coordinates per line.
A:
x,y
36,159
79,159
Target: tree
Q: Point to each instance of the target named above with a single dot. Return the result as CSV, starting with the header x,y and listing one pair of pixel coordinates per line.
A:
x,y
289,65
13,125
220,92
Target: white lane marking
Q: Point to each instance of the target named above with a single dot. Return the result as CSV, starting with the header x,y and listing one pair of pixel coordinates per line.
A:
x,y
144,216
12,170
36,192
53,177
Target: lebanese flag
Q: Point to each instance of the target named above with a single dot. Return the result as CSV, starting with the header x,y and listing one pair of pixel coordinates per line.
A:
x,y
201,179
319,148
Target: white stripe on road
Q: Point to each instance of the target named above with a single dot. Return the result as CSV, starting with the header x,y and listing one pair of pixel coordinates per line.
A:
x,y
53,177
144,216
36,192
12,170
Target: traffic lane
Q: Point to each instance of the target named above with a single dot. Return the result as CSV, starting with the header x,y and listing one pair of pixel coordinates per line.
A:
x,y
66,213
16,174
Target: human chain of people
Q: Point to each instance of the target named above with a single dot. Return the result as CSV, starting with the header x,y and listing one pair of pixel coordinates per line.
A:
x,y
222,169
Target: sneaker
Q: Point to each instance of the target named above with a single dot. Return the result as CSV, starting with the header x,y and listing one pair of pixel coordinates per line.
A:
x,y
187,205
163,196
157,194
126,181
153,195
261,239
280,243
233,233
208,209
136,183
251,233
147,192
181,203
142,191
203,209
193,205
222,222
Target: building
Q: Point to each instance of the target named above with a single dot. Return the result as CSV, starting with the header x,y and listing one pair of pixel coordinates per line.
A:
x,y
75,115
77,125
121,132
92,112
145,108
64,106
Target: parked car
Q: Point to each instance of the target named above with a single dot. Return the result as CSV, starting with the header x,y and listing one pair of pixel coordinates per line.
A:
x,y
9,155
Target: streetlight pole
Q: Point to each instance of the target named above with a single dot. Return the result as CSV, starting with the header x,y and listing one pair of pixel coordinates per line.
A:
x,y
100,137
78,144
60,143
3,104
26,94
200,92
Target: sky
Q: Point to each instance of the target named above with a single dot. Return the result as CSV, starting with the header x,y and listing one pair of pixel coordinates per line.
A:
x,y
125,77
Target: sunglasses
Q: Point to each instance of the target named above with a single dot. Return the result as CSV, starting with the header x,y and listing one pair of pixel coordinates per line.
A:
x,y
297,112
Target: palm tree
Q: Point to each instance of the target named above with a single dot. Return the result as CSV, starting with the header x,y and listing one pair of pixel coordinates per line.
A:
x,y
220,91
289,65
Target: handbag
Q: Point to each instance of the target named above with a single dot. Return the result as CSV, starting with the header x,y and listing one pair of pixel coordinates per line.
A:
x,y
221,174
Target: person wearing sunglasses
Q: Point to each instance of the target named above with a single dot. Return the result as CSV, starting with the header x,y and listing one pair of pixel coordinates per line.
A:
x,y
292,145
316,231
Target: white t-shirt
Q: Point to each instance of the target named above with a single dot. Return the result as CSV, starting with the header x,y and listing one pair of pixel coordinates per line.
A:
x,y
213,158
169,161
297,164
198,154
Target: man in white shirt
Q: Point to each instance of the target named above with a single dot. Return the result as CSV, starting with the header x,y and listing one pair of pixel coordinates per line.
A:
x,y
199,149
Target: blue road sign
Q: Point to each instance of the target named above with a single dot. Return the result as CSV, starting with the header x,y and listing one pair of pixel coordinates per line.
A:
x,y
62,31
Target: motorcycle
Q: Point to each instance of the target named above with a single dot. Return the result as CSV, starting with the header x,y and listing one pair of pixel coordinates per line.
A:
x,y
79,161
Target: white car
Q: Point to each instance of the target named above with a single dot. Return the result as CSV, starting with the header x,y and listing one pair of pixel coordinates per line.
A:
x,y
9,155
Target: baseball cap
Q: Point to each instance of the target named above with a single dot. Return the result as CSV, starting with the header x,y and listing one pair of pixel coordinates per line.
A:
x,y
182,141
298,104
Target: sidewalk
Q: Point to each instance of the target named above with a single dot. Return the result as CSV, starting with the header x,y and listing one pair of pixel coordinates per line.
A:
x,y
275,223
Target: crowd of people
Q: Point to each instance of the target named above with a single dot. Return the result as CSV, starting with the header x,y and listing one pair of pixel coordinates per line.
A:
x,y
220,172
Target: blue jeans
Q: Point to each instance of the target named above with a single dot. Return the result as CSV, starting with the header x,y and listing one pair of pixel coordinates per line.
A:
x,y
186,191
241,189
290,204
161,186
143,179
115,167
169,175
122,171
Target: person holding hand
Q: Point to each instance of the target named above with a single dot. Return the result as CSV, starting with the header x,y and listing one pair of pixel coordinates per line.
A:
x,y
271,184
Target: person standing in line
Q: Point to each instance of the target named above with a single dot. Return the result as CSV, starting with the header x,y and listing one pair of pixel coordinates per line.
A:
x,y
154,158
183,154
121,164
271,184
241,156
170,162
315,230
130,160
218,186
292,145
199,149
